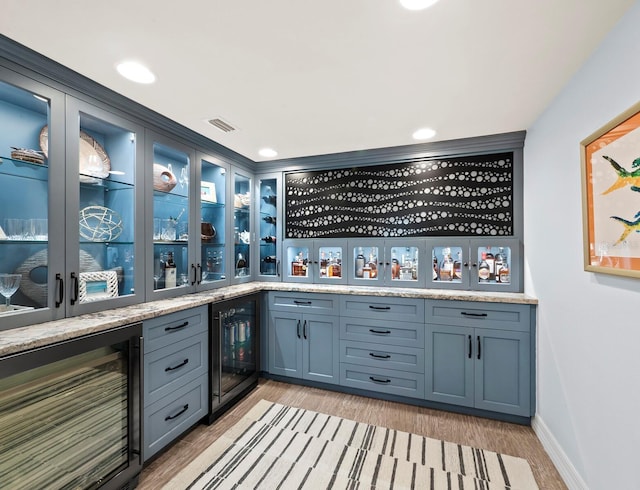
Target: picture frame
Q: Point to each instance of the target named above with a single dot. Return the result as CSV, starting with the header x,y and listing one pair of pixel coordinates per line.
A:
x,y
97,286
611,196
208,192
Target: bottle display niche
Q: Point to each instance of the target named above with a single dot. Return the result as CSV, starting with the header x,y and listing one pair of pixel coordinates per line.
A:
x,y
171,170
268,226
213,224
24,209
392,262
242,226
319,261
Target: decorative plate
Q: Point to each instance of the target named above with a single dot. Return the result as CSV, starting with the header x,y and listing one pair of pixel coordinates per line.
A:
x,y
93,160
100,224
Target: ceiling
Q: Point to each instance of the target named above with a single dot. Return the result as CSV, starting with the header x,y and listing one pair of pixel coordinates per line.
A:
x,y
314,77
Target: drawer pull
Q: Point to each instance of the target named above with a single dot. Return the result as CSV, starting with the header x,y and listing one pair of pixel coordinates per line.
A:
x,y
171,417
378,356
380,332
170,368
470,346
380,308
177,327
376,380
297,302
476,315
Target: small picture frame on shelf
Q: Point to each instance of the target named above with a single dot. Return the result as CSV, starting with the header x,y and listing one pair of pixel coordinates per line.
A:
x,y
97,286
208,192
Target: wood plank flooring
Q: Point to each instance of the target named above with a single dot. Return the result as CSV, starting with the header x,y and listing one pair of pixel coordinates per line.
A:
x,y
488,434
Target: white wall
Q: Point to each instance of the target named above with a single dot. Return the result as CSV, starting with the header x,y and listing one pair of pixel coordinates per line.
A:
x,y
588,407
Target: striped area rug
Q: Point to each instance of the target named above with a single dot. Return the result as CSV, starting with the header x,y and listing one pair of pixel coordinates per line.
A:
x,y
275,446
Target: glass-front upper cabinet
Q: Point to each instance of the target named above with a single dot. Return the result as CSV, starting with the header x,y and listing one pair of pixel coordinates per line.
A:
x,y
242,226
491,264
170,265
317,261
31,203
105,194
213,263
269,229
389,262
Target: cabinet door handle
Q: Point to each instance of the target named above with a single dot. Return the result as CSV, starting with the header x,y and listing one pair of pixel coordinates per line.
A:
x,y
298,328
378,356
173,368
195,274
479,346
297,302
278,267
60,286
380,308
177,327
199,274
76,289
380,332
470,346
376,380
171,417
304,329
475,315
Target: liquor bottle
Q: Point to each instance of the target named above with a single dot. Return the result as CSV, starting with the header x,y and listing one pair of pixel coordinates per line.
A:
x,y
360,263
270,199
499,263
483,269
270,219
323,264
241,265
336,266
446,266
505,273
491,261
435,267
395,268
170,272
269,239
373,266
457,267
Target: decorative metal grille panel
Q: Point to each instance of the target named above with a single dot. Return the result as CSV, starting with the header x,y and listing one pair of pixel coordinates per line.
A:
x,y
459,196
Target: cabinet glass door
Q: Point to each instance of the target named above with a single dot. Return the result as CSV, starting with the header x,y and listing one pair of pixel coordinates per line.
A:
x,y
329,260
104,162
171,268
497,265
29,168
365,258
213,194
402,264
297,257
242,226
268,226
449,264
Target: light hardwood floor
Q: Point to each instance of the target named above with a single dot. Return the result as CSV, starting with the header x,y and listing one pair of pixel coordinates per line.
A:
x,y
502,437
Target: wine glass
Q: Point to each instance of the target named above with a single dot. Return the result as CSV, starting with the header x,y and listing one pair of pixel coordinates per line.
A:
x,y
184,178
8,285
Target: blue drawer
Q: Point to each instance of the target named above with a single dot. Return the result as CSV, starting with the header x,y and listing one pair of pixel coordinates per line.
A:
x,y
383,308
382,380
169,329
317,303
388,332
501,316
395,357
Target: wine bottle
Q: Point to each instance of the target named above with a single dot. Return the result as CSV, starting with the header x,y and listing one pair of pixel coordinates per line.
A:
x,y
270,259
360,263
241,266
270,219
270,199
269,239
170,272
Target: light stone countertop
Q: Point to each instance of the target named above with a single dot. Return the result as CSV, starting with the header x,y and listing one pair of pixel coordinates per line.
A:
x,y
42,334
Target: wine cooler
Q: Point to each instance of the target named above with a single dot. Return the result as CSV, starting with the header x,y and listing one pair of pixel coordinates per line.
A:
x,y
234,352
70,414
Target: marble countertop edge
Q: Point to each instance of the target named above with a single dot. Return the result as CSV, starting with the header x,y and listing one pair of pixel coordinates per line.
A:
x,y
39,335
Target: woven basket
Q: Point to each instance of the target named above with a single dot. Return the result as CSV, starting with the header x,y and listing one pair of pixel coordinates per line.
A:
x,y
31,156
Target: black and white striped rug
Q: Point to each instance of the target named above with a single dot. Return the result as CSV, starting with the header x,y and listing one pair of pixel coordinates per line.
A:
x,y
275,446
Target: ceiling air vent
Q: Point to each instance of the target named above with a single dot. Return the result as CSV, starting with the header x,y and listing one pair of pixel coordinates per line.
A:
x,y
223,126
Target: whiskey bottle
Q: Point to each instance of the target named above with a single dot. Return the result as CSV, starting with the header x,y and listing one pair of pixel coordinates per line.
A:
x,y
499,263
435,267
505,273
359,272
491,261
446,266
483,269
395,268
336,269
323,264
457,267
373,266
170,272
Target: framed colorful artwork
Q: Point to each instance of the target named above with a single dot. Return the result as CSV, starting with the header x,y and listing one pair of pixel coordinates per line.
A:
x,y
611,196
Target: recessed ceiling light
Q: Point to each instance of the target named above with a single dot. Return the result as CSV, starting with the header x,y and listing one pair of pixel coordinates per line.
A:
x,y
134,71
417,4
424,134
268,153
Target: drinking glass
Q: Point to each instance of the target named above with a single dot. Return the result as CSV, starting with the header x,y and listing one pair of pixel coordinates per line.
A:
x,y
8,285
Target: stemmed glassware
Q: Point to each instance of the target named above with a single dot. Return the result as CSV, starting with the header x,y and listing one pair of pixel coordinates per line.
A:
x,y
184,178
9,284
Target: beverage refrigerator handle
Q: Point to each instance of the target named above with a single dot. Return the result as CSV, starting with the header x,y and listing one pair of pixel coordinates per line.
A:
x,y
220,349
138,446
